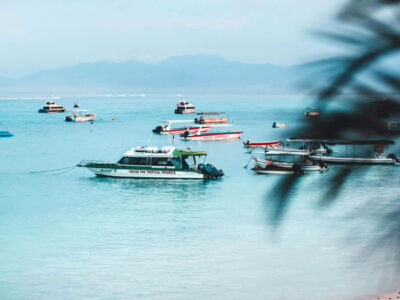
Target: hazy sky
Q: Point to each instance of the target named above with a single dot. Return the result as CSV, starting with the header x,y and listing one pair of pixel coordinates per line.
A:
x,y
55,33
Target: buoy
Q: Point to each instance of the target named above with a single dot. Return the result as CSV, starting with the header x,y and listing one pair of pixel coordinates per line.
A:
x,y
113,119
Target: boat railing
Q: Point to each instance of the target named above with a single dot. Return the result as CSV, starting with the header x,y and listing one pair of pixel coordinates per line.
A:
x,y
86,162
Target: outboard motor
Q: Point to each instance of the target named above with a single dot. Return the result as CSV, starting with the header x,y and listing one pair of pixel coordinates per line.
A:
x,y
185,134
210,171
158,129
393,156
297,170
274,125
323,165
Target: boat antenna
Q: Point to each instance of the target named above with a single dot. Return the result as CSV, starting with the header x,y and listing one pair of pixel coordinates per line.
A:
x,y
148,139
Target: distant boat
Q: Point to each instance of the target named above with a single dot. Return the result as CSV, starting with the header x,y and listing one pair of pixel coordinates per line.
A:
x,y
51,107
184,107
80,116
211,117
5,133
279,125
76,105
269,164
249,144
376,152
312,112
179,126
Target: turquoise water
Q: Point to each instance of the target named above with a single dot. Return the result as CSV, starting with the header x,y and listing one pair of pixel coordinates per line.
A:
x,y
72,235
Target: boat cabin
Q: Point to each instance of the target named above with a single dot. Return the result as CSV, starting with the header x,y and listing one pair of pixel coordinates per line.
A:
x,y
184,107
168,157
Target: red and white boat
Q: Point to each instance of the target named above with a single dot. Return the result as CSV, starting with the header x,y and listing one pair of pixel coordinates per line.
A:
x,y
274,144
179,127
212,136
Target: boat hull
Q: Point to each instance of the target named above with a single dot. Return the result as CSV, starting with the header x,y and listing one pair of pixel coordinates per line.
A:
x,y
215,136
211,120
353,160
262,144
183,130
146,173
274,170
303,166
81,119
186,111
61,110
6,134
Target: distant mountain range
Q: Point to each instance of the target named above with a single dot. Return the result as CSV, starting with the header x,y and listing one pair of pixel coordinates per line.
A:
x,y
202,73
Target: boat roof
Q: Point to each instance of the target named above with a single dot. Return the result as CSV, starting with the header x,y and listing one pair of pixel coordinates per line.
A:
x,y
210,113
188,152
178,121
168,151
342,142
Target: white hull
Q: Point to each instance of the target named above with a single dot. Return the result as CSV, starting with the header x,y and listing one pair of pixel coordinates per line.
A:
x,y
303,167
188,111
274,172
84,119
135,173
353,160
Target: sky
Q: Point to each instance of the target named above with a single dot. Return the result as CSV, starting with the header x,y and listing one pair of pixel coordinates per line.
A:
x,y
49,34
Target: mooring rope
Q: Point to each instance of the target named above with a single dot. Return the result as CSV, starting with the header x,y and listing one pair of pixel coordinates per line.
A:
x,y
66,169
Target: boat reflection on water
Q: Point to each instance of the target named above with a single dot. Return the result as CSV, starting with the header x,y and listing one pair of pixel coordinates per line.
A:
x,y
165,189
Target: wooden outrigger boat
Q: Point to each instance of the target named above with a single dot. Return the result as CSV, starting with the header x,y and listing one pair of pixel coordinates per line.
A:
x,y
285,161
212,136
211,118
179,127
151,162
304,147
374,156
273,144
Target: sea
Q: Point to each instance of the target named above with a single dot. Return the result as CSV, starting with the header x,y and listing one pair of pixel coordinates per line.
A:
x,y
66,234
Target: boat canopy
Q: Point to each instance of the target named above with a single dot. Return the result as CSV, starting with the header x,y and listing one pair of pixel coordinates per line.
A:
x,y
210,113
180,152
342,142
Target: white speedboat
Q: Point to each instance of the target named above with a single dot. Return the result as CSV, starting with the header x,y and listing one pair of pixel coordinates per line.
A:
x,y
80,116
152,162
279,125
179,126
184,107
51,107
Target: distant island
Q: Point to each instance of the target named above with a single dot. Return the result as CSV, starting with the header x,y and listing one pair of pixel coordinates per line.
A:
x,y
198,73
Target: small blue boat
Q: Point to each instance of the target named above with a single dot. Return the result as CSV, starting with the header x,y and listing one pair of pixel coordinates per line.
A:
x,y
5,133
